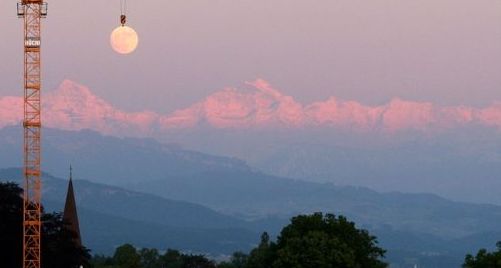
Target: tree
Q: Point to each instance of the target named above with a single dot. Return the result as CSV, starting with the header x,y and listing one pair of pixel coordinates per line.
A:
x,y
226,264
197,261
238,260
149,258
171,259
100,261
326,241
11,228
484,259
126,256
262,256
59,249
318,241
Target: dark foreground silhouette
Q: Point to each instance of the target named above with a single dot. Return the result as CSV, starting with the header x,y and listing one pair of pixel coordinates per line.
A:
x,y
59,249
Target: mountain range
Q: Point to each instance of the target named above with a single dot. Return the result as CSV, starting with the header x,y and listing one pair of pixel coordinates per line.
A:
x,y
258,105
452,151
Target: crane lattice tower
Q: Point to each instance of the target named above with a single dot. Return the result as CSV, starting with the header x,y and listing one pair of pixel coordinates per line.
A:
x,y
32,11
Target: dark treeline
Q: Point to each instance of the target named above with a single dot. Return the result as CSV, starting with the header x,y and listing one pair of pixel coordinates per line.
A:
x,y
308,241
127,256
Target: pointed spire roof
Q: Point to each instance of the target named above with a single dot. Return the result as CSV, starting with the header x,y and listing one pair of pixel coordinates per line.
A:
x,y
70,215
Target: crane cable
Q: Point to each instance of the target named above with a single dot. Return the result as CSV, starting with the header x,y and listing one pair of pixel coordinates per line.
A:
x,y
123,7
123,12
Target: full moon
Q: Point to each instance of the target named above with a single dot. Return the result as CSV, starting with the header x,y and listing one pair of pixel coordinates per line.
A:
x,y
124,40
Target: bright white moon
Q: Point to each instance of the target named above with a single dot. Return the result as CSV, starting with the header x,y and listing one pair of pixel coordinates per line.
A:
x,y
124,40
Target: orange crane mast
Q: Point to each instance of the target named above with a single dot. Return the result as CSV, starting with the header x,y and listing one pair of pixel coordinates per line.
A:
x,y
32,11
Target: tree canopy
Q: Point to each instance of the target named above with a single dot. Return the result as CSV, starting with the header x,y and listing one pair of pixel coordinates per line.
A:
x,y
326,241
484,259
315,241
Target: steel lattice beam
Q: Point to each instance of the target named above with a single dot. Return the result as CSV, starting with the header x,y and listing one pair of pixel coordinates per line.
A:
x,y
32,11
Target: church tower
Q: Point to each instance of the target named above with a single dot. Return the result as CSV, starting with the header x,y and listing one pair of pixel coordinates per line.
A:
x,y
70,215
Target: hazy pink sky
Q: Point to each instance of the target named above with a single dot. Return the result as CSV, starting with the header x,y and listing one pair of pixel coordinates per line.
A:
x,y
444,51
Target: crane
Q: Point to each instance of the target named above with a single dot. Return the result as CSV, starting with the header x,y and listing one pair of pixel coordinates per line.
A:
x,y
32,11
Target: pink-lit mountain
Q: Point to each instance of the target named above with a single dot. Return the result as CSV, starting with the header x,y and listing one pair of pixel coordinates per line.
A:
x,y
258,105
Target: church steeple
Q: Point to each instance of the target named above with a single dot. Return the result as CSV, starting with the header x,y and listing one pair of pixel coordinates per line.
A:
x,y
70,215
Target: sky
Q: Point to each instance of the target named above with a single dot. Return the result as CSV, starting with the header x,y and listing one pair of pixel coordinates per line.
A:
x,y
444,51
